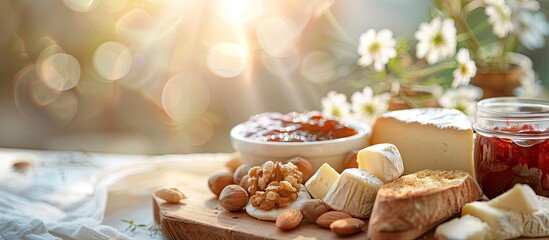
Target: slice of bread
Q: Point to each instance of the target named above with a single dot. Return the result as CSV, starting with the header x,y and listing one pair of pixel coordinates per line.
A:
x,y
409,206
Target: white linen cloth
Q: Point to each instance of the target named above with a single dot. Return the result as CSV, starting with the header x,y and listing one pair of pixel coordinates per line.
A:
x,y
64,194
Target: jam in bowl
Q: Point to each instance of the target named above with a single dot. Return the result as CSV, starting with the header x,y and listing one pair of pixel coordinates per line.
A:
x,y
318,138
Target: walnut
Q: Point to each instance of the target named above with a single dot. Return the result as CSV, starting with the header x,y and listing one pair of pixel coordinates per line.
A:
x,y
274,185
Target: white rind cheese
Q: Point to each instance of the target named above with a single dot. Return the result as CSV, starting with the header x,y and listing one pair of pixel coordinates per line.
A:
x,y
323,179
428,138
272,214
354,192
520,198
505,224
465,228
383,160
536,224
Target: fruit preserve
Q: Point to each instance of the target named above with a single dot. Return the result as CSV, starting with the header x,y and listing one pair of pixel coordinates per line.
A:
x,y
512,144
295,127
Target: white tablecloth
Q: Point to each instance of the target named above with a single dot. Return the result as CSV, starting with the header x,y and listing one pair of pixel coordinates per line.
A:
x,y
64,194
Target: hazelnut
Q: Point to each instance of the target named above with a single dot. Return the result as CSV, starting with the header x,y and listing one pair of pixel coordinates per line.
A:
x,y
350,159
233,198
244,182
289,219
240,172
219,180
313,208
234,162
304,167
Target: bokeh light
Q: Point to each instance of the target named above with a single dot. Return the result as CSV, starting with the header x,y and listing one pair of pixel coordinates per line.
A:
x,y
277,35
41,93
318,67
135,25
82,5
282,66
60,71
226,59
239,11
112,60
185,96
63,109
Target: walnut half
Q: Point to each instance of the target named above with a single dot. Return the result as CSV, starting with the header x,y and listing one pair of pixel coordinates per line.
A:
x,y
274,185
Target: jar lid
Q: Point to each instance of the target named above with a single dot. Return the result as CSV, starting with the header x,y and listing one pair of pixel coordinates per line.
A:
x,y
512,107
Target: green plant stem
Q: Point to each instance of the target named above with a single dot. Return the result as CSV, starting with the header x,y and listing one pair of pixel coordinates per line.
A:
x,y
431,70
338,28
476,30
472,40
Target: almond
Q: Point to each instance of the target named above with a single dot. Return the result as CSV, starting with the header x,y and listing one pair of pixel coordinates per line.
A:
x,y
347,226
328,218
234,162
233,198
240,172
220,180
289,219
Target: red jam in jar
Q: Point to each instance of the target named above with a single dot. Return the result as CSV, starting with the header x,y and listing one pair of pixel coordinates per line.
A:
x,y
295,127
512,144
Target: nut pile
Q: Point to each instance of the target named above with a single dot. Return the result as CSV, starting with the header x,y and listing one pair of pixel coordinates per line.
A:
x,y
274,185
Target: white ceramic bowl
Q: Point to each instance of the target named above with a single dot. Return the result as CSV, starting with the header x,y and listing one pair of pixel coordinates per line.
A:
x,y
333,152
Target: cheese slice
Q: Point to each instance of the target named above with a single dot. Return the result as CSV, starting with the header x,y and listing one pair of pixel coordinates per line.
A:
x,y
383,160
520,198
505,224
354,192
428,138
465,228
323,179
536,224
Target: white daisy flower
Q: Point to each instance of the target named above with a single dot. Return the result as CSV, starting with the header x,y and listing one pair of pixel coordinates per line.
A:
x,y
436,40
463,99
466,69
532,29
376,48
499,15
530,85
367,106
517,5
335,104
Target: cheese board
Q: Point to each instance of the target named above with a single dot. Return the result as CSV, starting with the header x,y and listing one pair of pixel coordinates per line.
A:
x,y
201,217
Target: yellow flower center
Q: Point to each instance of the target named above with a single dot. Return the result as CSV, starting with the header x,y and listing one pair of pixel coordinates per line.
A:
x,y
461,107
438,40
336,112
375,47
370,109
463,69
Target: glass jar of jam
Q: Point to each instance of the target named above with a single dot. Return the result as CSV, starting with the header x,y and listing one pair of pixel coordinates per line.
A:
x,y
512,144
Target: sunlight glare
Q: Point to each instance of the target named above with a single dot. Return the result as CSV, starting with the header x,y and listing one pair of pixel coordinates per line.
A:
x,y
226,59
277,35
81,5
239,11
318,67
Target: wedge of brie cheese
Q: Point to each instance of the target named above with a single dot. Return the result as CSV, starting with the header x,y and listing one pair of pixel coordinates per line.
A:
x,y
536,224
428,138
383,160
505,224
520,198
323,179
354,192
465,228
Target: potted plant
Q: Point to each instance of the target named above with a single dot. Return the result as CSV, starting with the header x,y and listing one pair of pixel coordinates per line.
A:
x,y
512,23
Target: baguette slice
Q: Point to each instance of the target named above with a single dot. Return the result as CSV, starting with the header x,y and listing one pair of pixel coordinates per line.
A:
x,y
412,204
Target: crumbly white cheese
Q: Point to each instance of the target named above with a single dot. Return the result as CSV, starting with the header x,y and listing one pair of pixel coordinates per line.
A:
x,y
465,228
383,160
323,179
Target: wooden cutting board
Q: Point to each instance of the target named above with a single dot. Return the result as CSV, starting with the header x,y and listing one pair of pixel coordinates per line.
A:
x,y
201,217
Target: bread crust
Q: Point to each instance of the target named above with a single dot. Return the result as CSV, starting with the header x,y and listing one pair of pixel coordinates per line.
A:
x,y
404,211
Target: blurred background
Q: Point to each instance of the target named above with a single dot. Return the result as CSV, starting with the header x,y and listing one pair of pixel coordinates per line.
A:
x,y
173,76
